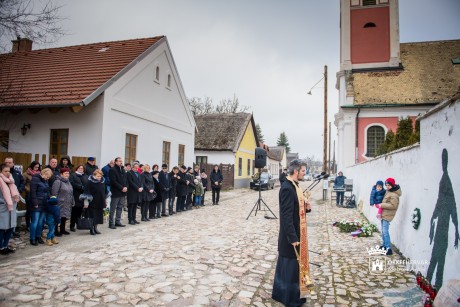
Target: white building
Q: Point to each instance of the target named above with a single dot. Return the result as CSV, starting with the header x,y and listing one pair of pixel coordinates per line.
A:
x,y
122,98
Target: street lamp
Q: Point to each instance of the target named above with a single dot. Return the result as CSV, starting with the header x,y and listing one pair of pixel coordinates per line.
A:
x,y
325,116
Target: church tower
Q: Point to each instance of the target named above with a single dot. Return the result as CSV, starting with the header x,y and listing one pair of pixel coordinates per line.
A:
x,y
369,34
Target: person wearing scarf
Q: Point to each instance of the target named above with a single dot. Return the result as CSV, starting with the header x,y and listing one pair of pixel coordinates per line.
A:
x,y
8,201
33,169
79,181
292,276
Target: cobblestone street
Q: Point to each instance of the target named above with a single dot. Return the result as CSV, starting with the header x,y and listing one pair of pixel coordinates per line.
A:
x,y
210,256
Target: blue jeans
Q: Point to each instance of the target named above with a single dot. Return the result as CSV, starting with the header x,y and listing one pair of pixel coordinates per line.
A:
x,y
5,236
386,242
51,221
198,200
339,196
36,225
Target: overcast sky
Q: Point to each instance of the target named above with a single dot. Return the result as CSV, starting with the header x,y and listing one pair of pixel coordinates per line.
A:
x,y
268,53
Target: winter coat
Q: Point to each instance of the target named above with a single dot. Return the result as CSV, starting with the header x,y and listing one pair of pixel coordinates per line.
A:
x,y
105,170
165,184
27,179
98,192
289,220
157,185
18,180
181,188
172,184
376,196
216,177
118,180
53,177
89,169
134,183
204,182
61,165
339,182
191,184
7,218
199,190
62,189
79,183
147,179
39,193
390,203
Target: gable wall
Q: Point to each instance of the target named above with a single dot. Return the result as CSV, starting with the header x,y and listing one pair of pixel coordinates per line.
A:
x,y
245,151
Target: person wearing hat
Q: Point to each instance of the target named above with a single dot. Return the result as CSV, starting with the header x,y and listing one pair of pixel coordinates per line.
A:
x,y
165,185
90,166
63,190
377,194
204,182
182,183
190,188
172,191
390,204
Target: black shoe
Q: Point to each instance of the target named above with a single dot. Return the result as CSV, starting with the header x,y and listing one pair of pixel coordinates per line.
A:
x,y
136,222
163,214
65,232
217,204
158,216
132,223
143,219
92,232
33,242
97,231
58,234
389,252
3,252
9,250
39,240
113,226
72,229
16,235
118,224
147,220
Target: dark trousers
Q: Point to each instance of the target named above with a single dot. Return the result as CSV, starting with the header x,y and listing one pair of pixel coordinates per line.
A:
x,y
202,198
145,209
152,209
60,230
171,201
339,196
164,203
132,211
215,196
157,209
189,201
75,215
5,236
180,206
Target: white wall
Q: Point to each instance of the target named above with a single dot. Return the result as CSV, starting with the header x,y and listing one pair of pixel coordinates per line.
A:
x,y
84,130
139,104
418,170
217,157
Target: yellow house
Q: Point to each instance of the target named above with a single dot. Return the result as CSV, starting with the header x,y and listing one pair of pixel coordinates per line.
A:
x,y
228,139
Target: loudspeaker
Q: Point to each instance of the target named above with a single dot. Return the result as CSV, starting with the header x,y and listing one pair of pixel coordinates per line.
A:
x,y
261,158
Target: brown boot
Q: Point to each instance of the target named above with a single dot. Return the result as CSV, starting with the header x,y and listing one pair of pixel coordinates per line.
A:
x,y
43,235
54,240
48,243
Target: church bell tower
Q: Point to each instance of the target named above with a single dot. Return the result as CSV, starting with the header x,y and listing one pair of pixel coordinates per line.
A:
x,y
369,34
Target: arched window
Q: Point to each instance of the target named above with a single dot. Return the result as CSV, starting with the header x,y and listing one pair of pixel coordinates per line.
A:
x,y
370,25
157,74
169,80
375,138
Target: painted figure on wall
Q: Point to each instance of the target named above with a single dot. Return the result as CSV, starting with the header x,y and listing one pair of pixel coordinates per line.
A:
x,y
445,209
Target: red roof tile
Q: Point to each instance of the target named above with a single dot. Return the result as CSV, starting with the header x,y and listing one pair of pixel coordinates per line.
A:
x,y
64,76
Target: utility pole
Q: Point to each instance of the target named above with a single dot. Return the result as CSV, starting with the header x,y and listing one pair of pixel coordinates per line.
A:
x,y
325,121
329,155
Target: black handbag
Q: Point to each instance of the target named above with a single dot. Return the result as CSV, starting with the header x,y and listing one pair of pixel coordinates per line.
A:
x,y
85,223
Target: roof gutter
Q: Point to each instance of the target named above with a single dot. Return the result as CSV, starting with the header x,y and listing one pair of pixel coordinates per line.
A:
x,y
118,75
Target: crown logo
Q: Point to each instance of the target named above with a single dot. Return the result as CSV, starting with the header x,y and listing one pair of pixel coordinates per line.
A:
x,y
377,250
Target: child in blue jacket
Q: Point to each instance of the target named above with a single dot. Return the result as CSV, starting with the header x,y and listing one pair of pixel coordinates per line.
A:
x,y
377,195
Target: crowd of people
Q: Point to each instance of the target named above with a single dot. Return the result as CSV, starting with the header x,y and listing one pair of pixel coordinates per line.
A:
x,y
60,194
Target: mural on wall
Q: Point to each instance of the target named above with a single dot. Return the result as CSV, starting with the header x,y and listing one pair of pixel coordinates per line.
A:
x,y
445,209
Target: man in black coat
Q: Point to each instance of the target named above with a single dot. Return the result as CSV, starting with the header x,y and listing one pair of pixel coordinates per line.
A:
x,y
135,188
172,190
90,166
165,186
118,188
286,288
190,188
181,189
283,176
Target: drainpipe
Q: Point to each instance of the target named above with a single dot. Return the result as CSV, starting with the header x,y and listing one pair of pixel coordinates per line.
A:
x,y
356,135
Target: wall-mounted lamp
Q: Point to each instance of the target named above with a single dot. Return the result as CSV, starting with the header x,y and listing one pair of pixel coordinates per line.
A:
x,y
24,128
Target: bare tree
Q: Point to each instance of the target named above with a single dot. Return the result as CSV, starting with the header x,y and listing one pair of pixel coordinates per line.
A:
x,y
230,106
200,107
24,18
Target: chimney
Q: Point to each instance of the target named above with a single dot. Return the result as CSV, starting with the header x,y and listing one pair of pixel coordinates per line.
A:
x,y
22,45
